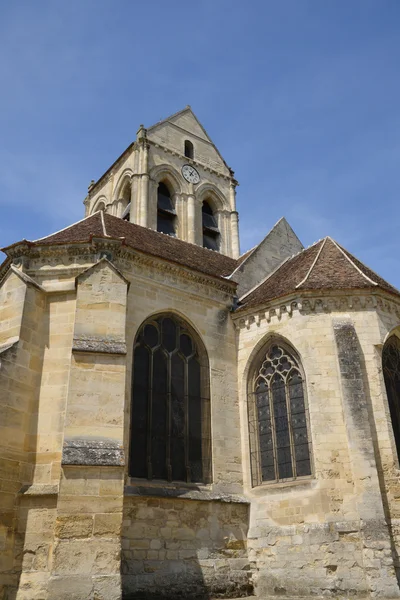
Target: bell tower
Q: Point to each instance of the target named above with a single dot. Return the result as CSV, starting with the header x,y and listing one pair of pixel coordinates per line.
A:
x,y
174,180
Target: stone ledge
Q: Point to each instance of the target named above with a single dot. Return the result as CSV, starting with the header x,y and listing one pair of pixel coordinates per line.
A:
x,y
93,452
40,489
100,345
184,493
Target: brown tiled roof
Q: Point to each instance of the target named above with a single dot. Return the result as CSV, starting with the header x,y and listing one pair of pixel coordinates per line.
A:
x,y
323,266
145,240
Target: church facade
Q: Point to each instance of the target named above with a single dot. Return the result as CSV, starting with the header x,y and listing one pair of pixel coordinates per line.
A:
x,y
178,420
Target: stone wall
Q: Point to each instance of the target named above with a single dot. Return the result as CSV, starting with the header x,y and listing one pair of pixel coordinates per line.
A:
x,y
181,548
304,535
23,306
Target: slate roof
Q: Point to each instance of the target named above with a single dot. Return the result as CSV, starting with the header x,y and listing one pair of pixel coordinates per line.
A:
x,y
323,266
148,241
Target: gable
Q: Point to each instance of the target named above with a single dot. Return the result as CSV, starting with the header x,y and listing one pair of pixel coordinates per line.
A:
x,y
280,243
173,131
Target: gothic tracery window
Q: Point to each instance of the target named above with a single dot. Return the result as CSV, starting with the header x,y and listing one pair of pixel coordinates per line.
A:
x,y
391,373
166,214
170,432
278,419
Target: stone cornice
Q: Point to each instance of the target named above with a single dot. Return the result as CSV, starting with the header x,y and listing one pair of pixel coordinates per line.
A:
x,y
312,303
72,259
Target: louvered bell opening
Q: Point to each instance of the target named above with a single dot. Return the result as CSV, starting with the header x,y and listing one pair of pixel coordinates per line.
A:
x,y
126,213
164,203
211,241
165,223
209,222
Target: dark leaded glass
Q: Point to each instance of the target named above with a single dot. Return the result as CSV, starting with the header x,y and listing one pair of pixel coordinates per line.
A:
x,y
278,420
391,372
158,417
150,335
170,412
186,346
140,413
169,334
195,422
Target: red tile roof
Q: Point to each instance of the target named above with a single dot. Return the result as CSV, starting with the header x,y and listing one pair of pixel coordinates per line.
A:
x,y
323,266
144,240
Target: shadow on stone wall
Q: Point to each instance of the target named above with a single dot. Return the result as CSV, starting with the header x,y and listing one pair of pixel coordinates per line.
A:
x,y
379,465
180,544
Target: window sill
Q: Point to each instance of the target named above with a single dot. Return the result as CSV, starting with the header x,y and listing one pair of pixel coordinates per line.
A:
x,y
279,486
163,489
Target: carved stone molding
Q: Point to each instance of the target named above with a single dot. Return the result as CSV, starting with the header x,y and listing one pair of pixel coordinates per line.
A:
x,y
99,452
100,345
72,259
317,304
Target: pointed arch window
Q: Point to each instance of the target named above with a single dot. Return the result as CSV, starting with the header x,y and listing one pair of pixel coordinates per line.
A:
x,y
166,215
189,149
278,418
170,424
211,235
391,373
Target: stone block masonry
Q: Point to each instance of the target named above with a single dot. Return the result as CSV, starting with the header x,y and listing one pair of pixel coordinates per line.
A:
x,y
180,548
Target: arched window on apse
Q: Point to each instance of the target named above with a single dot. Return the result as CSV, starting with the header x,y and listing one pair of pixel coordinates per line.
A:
x,y
166,215
391,373
100,206
189,149
278,418
211,235
170,421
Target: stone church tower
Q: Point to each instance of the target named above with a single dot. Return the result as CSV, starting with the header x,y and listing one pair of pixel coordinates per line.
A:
x,y
177,420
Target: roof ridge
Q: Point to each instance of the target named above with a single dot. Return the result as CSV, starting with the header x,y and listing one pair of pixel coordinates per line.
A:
x,y
65,228
369,269
103,223
289,258
313,264
351,262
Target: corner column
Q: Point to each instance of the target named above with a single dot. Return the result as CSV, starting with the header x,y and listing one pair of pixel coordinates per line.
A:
x,y
235,243
191,215
144,176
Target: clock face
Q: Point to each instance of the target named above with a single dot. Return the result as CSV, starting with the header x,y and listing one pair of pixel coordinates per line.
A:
x,y
190,174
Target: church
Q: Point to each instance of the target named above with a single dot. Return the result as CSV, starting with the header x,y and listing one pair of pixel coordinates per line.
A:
x,y
179,420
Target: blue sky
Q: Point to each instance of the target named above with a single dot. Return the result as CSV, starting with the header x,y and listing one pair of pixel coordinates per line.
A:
x,y
301,97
